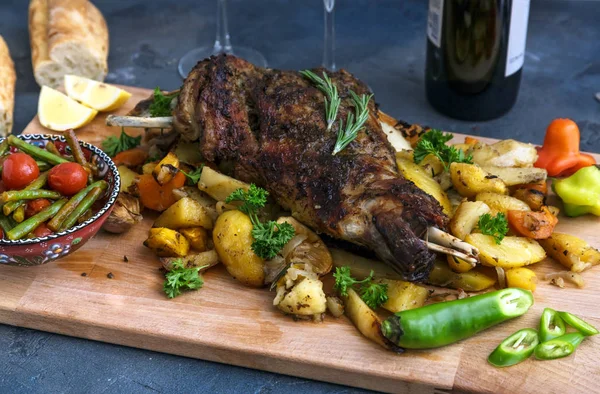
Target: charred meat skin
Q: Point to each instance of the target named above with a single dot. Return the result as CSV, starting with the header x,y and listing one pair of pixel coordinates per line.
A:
x,y
271,124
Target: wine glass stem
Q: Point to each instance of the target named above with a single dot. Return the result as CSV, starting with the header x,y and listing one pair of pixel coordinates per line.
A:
x,y
222,42
329,37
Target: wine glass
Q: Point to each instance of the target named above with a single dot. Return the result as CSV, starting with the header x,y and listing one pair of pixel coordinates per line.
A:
x,y
222,45
329,35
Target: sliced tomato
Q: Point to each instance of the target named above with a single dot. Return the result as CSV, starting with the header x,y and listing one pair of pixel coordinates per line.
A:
x,y
36,206
42,231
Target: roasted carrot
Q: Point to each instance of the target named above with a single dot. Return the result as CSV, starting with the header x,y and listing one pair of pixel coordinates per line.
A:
x,y
531,224
131,157
155,196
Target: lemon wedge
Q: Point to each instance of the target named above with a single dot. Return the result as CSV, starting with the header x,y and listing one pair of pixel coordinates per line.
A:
x,y
59,112
94,94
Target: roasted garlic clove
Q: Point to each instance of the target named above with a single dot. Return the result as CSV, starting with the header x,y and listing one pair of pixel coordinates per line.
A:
x,y
124,215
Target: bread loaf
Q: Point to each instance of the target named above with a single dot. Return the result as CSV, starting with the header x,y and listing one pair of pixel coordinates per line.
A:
x,y
67,37
7,89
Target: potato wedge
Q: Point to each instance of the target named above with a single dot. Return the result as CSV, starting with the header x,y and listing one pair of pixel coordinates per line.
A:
x,y
394,137
305,298
466,217
501,203
458,265
166,169
184,213
219,186
204,199
571,251
166,242
197,237
477,279
127,178
403,295
361,266
425,182
470,179
513,252
505,153
521,277
233,240
148,168
206,259
517,176
364,319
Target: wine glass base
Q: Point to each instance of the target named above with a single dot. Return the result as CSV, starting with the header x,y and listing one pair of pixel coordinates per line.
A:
x,y
190,59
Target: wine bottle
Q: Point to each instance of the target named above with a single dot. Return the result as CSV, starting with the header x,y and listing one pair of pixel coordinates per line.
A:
x,y
475,54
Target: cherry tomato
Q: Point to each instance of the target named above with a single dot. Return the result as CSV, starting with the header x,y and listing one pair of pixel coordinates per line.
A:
x,y
1,234
19,171
35,206
42,231
67,178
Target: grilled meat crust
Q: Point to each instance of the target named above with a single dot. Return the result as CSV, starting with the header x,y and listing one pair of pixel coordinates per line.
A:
x,y
271,124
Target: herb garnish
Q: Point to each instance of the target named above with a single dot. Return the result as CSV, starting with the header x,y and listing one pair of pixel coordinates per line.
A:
x,y
496,226
372,293
332,99
182,278
113,145
194,176
161,105
434,143
354,122
269,237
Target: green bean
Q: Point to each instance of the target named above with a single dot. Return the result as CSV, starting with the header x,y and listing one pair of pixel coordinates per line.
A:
x,y
4,147
19,214
75,147
7,223
42,165
33,222
56,222
83,206
38,183
35,152
18,195
50,147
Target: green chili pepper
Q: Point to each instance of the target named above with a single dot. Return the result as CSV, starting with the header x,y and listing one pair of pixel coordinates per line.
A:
x,y
578,324
448,322
574,338
551,325
553,349
514,349
580,192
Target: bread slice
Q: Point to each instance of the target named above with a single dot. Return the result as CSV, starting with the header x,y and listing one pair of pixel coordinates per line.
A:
x,y
8,77
67,37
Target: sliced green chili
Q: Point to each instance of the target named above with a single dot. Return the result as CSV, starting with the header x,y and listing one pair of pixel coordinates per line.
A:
x,y
444,323
578,324
551,325
553,349
514,349
574,338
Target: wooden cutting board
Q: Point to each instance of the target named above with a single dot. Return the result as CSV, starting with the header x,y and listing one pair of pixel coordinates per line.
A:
x,y
231,324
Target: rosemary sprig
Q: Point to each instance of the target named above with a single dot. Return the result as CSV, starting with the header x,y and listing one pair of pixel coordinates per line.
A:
x,y
332,99
354,122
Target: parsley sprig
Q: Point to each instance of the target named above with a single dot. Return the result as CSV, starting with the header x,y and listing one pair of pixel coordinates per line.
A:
x,y
113,145
194,176
182,278
332,99
354,122
434,143
372,293
269,237
161,105
496,226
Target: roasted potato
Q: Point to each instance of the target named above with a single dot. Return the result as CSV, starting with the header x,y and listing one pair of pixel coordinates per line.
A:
x,y
535,199
166,242
505,153
477,279
219,186
403,295
470,179
204,199
166,169
127,178
184,213
512,252
312,250
203,259
233,240
458,265
501,203
365,320
361,266
517,176
521,277
466,217
305,298
424,181
197,237
394,137
571,251
410,133
148,168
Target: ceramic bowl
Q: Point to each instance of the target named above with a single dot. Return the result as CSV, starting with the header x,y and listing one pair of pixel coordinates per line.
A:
x,y
37,251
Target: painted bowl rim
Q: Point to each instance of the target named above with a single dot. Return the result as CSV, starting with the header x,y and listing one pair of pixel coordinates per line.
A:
x,y
109,203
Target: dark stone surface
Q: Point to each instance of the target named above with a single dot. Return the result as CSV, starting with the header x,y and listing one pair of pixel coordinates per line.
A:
x,y
382,42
